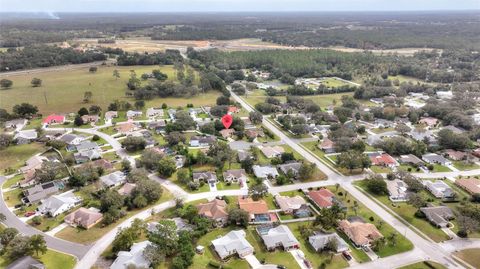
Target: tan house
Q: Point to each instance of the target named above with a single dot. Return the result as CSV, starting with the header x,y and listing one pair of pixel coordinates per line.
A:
x,y
470,184
83,217
126,128
127,188
215,210
254,208
361,234
289,204
271,152
226,133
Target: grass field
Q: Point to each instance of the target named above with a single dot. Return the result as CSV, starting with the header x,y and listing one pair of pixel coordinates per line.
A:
x,y
471,256
51,259
322,100
15,156
64,90
463,166
424,265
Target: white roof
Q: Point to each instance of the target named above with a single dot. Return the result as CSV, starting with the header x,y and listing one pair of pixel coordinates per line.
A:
x,y
114,178
232,242
133,257
279,235
264,171
27,134
55,202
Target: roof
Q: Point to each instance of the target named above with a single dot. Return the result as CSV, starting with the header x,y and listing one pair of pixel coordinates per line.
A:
x,y
319,240
410,158
26,134
111,114
280,235
204,175
26,262
396,188
227,132
382,159
33,162
455,154
322,197
83,217
289,203
264,171
69,138
271,152
232,242
54,118
41,191
327,144
87,145
15,122
134,257
293,166
433,157
472,185
454,129
127,188
236,173
216,209
125,127
253,207
438,214
55,202
430,121
360,233
114,178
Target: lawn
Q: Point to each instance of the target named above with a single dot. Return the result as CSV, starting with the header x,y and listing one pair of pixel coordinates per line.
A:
x,y
62,91
48,223
322,100
407,212
424,265
471,256
51,259
463,166
200,261
382,130
380,169
223,186
440,168
406,167
13,197
12,181
202,99
83,236
14,157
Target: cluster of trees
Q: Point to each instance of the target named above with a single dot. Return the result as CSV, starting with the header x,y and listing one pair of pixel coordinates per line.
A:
x,y
16,245
399,146
156,58
45,56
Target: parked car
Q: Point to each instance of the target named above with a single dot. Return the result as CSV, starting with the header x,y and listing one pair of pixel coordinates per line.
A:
x,y
307,263
347,255
29,213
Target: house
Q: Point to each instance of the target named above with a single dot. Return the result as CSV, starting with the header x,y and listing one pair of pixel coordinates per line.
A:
x,y
323,198
476,153
439,189
226,133
205,176
126,128
243,155
127,189
382,159
54,119
87,155
202,141
35,162
423,135
439,216
87,145
235,175
277,237
105,164
271,152
444,94
180,225
90,118
410,159
83,217
134,114
109,115
383,123
254,133
233,243
158,126
26,262
172,113
378,101
114,179
454,129
327,145
179,161
433,158
25,136
397,190
265,171
28,179
215,210
289,204
59,203
291,168
41,191
455,154
233,109
132,258
318,241
257,210
429,121
360,233
72,139
155,112
470,184
16,124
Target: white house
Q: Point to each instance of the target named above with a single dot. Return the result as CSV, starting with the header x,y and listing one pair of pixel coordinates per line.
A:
x,y
57,204
114,179
397,190
439,189
265,171
133,114
133,258
233,243
155,112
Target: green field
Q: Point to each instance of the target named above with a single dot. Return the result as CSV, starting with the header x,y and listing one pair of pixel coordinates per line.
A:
x,y
64,89
14,157
424,265
322,100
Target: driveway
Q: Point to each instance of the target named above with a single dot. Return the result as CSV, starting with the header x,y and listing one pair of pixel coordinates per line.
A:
x,y
299,258
253,261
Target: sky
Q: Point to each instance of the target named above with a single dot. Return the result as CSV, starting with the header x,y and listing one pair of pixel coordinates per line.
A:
x,y
232,5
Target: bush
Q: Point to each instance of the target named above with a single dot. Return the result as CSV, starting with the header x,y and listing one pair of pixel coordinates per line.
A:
x,y
462,234
95,138
371,218
214,264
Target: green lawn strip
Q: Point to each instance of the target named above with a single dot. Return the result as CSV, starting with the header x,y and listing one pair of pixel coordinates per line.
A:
x,y
440,168
13,197
83,236
461,165
12,181
407,213
402,244
224,186
48,223
406,167
270,201
380,169
14,157
424,265
51,259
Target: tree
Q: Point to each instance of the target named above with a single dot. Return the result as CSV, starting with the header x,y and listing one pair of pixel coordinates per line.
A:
x,y
132,143
331,245
5,83
255,117
48,171
467,224
151,190
150,159
174,138
38,244
111,199
7,235
127,236
92,69
36,82
416,200
139,104
402,128
379,243
78,121
82,111
116,74
220,153
137,175
25,109
94,110
3,218
306,171
376,185
165,237
133,82
5,140
126,166
166,167
37,220
153,254
353,160
87,96
238,216
183,176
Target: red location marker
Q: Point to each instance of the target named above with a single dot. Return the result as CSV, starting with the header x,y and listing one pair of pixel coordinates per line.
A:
x,y
227,121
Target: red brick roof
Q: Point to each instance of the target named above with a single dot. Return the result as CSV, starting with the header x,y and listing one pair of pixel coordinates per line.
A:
x,y
253,207
323,197
54,118
383,159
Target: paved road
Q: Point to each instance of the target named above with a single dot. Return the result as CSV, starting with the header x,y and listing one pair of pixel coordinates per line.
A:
x,y
58,244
